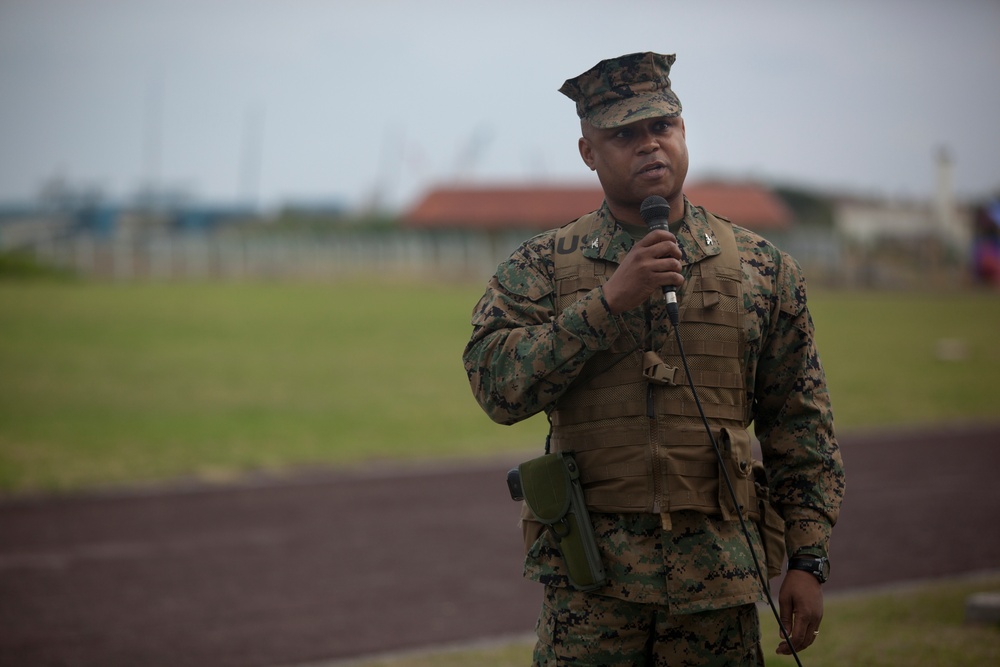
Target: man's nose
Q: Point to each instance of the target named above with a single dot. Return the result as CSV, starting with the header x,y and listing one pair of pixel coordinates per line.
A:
x,y
647,143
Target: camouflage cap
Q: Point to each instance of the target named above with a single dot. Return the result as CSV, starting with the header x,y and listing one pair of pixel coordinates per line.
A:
x,y
622,90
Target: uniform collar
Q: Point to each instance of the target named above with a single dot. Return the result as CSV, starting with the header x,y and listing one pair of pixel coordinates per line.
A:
x,y
608,241
696,238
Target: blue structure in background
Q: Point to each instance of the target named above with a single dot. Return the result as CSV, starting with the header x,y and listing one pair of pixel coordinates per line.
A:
x,y
101,221
203,220
986,244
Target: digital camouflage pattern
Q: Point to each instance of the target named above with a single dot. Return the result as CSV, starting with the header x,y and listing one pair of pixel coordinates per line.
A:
x,y
523,356
698,565
579,629
622,90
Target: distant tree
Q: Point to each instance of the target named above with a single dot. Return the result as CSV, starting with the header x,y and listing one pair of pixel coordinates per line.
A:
x,y
810,207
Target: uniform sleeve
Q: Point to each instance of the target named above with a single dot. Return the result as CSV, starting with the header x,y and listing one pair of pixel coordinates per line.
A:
x,y
794,420
523,355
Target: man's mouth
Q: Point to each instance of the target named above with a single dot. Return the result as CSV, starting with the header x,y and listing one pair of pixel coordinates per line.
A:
x,y
653,170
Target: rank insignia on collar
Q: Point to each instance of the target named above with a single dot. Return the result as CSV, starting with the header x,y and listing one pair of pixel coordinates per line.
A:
x,y
596,244
709,240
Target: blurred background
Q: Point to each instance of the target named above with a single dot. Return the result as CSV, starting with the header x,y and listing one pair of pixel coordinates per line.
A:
x,y
240,242
184,131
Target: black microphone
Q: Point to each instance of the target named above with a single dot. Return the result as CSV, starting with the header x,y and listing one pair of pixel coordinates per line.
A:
x,y
654,211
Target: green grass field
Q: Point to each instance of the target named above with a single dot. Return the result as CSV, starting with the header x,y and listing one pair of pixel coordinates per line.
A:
x,y
127,383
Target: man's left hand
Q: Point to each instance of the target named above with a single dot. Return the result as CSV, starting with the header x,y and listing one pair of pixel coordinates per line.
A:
x,y
801,604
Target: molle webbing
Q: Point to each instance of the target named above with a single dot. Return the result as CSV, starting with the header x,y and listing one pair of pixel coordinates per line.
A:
x,y
630,461
677,407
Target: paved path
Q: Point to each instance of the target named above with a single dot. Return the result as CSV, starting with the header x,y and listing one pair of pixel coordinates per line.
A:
x,y
345,564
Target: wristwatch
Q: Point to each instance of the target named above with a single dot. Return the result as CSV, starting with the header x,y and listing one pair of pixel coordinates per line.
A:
x,y
817,566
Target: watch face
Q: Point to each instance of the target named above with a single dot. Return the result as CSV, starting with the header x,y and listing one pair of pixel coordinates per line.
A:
x,y
822,570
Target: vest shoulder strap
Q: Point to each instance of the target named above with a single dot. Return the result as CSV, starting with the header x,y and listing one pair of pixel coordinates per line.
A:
x,y
729,257
574,272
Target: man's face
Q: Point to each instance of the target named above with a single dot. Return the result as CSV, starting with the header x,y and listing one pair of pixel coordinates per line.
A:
x,y
648,157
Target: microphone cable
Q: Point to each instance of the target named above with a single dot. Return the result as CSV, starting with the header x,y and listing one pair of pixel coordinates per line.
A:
x,y
674,320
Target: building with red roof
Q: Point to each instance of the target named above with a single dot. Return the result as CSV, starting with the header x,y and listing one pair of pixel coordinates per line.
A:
x,y
537,208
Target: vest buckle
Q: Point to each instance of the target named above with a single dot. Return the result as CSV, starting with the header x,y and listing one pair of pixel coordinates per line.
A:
x,y
657,371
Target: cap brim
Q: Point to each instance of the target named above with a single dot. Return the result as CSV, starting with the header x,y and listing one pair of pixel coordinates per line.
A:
x,y
655,104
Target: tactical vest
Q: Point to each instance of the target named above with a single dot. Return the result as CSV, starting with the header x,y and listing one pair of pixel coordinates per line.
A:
x,y
642,446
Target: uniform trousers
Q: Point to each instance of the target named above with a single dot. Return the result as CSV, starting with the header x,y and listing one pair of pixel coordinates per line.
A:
x,y
578,628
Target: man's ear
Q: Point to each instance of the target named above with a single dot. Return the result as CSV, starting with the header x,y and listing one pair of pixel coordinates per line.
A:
x,y
587,153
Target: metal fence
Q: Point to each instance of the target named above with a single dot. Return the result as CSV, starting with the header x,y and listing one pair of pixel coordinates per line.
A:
x,y
179,256
826,258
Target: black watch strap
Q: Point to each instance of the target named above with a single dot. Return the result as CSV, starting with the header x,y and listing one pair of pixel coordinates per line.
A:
x,y
814,565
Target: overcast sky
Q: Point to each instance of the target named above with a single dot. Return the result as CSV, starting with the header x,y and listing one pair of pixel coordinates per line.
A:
x,y
343,100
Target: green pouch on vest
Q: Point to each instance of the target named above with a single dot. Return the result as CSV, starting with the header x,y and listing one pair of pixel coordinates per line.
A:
x,y
553,493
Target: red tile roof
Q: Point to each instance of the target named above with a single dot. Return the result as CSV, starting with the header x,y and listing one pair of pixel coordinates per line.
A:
x,y
488,207
544,207
745,204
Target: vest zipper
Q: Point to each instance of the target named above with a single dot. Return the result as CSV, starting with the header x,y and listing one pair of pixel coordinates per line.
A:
x,y
647,345
654,432
654,444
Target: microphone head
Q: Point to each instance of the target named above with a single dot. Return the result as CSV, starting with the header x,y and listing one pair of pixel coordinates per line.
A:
x,y
654,211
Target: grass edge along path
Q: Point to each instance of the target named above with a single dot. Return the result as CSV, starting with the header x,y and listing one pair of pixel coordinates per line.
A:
x,y
916,624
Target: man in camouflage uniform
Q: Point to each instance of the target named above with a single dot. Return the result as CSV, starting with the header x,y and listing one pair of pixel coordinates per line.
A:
x,y
681,584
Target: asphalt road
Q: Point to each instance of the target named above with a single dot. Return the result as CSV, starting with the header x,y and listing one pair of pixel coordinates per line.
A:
x,y
343,564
